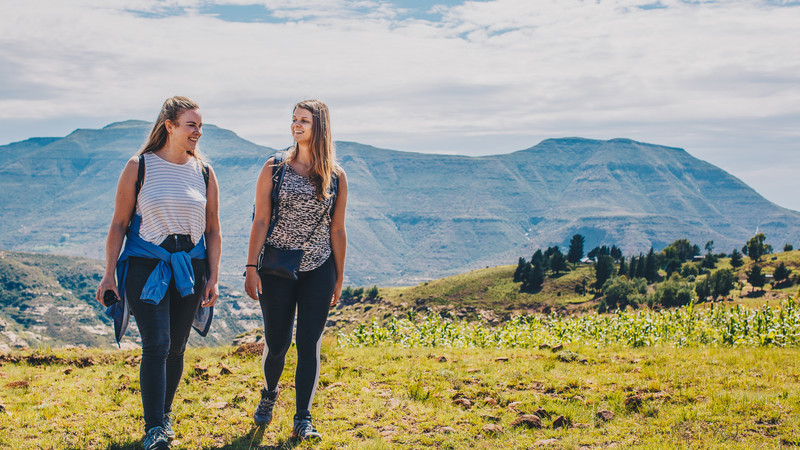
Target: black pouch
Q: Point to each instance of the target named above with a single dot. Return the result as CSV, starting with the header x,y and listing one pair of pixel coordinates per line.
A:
x,y
281,263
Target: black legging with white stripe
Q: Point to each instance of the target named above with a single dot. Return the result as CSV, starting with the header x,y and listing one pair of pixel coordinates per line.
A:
x,y
310,294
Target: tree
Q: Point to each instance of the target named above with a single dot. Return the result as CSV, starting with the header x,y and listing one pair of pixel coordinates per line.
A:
x,y
681,249
781,273
651,269
538,258
603,269
575,252
521,263
710,260
722,283
558,263
788,248
633,268
703,288
755,277
615,252
533,282
623,268
673,265
755,247
736,259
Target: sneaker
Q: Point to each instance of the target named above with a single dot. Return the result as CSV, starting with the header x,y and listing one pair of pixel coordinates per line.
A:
x,y
263,415
167,424
304,429
155,439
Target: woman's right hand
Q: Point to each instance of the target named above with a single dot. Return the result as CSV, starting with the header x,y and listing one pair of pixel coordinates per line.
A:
x,y
108,283
252,283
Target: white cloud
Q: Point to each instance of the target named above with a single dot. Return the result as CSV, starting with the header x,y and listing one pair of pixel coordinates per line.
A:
x,y
688,74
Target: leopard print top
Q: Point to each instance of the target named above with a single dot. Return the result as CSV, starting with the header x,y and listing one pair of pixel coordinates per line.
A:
x,y
300,212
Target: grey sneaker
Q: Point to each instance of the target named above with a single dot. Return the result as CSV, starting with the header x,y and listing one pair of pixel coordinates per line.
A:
x,y
167,424
304,429
155,439
263,415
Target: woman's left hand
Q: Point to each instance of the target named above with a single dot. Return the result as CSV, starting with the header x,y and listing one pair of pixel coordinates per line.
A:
x,y
337,292
211,295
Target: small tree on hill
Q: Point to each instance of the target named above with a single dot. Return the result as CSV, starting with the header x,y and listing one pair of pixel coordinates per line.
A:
x,y
703,288
781,273
788,248
538,258
521,263
633,267
755,277
736,259
681,249
722,283
575,252
603,269
650,266
755,247
558,263
533,281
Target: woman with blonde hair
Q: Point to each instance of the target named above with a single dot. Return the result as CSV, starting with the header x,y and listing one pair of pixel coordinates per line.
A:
x,y
299,215
167,212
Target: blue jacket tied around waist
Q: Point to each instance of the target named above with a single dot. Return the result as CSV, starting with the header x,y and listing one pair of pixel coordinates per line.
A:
x,y
176,265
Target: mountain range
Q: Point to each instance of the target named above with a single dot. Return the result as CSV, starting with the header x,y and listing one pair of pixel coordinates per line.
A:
x,y
410,216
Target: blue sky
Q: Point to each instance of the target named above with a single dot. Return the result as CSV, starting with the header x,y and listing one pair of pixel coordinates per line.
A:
x,y
718,78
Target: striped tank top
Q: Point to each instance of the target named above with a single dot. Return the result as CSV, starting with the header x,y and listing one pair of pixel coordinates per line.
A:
x,y
172,200
300,212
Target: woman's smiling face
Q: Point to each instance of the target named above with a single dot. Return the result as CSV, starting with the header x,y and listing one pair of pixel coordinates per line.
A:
x,y
187,129
302,125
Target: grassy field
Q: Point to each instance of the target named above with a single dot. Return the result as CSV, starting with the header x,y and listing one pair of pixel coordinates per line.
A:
x,y
384,397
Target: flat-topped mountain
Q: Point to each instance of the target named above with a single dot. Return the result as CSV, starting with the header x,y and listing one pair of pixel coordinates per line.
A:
x,y
411,216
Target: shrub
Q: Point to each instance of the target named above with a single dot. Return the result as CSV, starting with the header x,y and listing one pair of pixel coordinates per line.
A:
x,y
621,292
674,292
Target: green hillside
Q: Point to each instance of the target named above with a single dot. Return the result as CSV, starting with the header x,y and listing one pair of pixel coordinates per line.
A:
x,y
492,294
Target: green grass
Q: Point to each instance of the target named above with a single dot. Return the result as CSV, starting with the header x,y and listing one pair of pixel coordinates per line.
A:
x,y
401,398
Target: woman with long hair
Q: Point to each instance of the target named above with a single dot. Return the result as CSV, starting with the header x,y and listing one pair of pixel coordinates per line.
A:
x,y
309,215
167,212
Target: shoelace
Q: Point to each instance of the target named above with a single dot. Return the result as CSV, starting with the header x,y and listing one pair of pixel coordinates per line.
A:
x,y
266,404
304,427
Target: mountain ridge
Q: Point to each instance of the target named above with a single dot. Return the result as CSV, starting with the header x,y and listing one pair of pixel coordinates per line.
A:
x,y
411,216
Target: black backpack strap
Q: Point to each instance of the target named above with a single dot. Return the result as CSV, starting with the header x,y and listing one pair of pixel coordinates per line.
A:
x,y
139,183
204,168
278,170
335,189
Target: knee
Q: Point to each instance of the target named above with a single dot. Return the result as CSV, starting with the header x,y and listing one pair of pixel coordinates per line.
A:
x,y
157,347
277,353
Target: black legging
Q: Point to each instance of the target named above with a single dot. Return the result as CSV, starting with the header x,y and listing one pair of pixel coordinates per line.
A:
x,y
311,294
164,329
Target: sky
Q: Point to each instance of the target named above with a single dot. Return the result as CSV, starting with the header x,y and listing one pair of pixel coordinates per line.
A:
x,y
720,78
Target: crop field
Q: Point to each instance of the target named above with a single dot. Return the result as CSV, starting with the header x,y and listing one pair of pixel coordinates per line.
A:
x,y
712,325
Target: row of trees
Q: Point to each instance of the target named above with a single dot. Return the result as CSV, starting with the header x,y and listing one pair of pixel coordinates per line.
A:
x,y
623,282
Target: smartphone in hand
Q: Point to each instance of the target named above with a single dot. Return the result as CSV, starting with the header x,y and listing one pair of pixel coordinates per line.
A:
x,y
109,297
